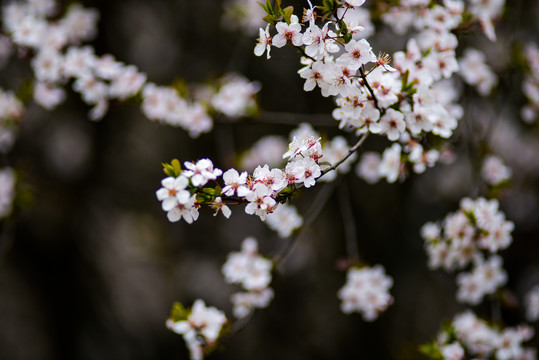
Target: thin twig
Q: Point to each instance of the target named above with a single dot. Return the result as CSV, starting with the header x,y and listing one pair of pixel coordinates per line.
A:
x,y
319,202
313,212
283,118
368,86
235,200
294,119
238,325
350,230
352,150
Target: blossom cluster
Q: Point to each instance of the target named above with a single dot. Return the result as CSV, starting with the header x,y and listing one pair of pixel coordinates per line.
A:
x,y
332,151
253,272
366,291
471,337
284,220
259,190
494,171
404,102
235,96
474,71
530,85
200,328
267,150
391,165
428,63
176,195
419,14
477,230
184,191
58,59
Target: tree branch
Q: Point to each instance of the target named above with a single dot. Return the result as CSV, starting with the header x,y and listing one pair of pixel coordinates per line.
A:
x,y
350,230
369,88
352,150
319,202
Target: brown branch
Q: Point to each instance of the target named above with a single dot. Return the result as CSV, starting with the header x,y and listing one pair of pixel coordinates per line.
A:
x,y
352,150
313,212
294,119
350,229
369,88
282,118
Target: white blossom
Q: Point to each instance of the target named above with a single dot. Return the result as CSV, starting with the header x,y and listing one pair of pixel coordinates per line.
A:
x,y
201,172
366,291
201,328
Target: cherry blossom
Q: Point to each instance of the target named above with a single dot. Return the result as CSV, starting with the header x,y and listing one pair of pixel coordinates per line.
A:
x,y
201,172
366,291
201,328
288,33
263,43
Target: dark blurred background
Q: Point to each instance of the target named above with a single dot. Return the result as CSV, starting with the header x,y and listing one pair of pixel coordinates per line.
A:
x,y
90,266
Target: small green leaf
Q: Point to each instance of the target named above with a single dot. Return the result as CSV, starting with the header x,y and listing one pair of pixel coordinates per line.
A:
x,y
329,6
25,93
203,198
431,350
287,190
178,312
405,78
287,13
173,169
270,19
176,165
264,7
168,169
209,191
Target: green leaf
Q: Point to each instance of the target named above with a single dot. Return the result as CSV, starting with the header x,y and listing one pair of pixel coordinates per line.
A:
x,y
262,6
176,165
203,198
270,19
168,169
178,312
25,92
287,13
173,169
431,350
329,6
450,331
287,190
209,191
405,79
343,29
